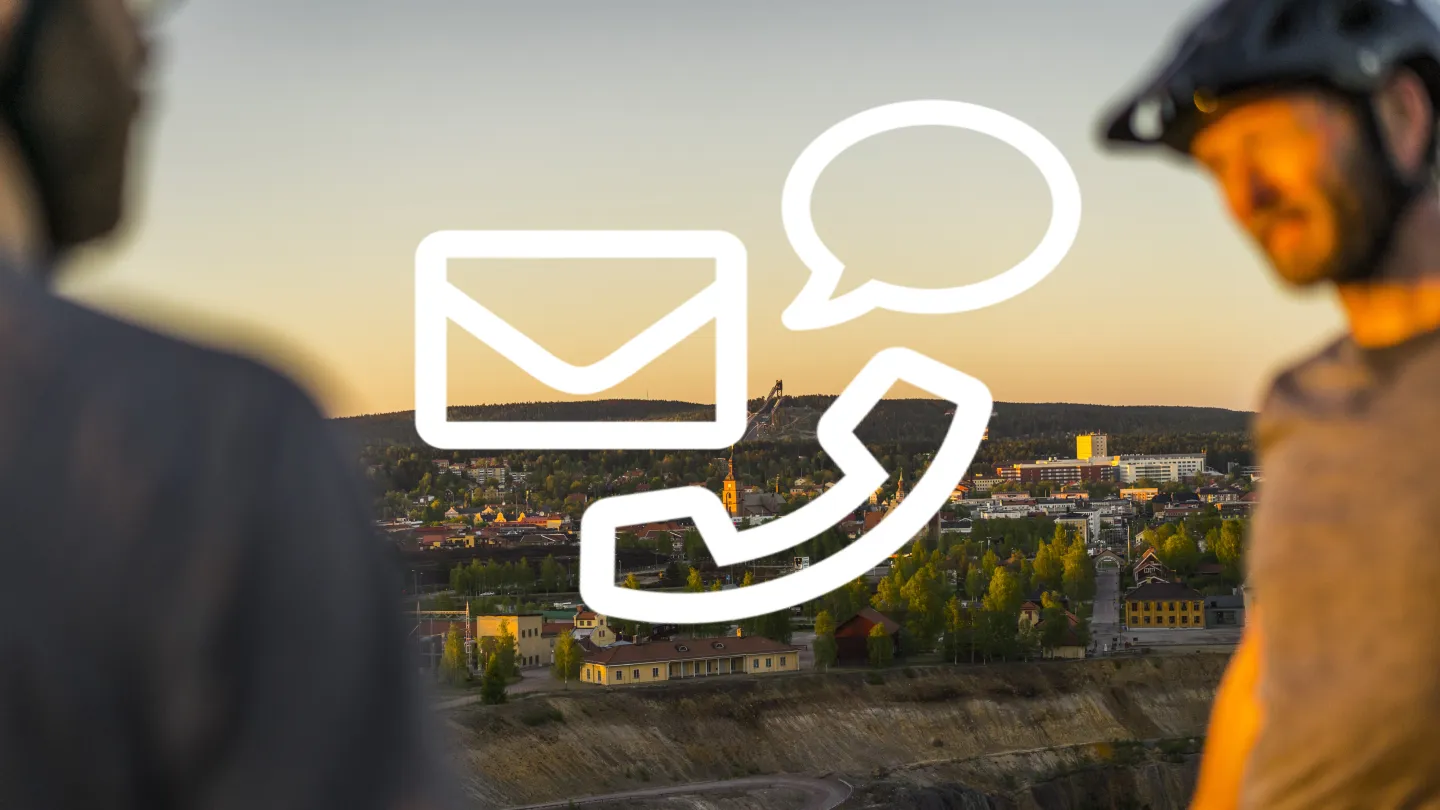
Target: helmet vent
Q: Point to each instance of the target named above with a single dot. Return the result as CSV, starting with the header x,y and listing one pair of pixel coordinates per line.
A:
x,y
1358,15
1283,27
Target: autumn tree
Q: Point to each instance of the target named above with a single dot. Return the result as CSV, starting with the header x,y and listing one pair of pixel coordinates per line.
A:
x,y
569,657
1048,568
452,663
1230,549
1078,579
880,647
924,608
975,584
492,684
825,646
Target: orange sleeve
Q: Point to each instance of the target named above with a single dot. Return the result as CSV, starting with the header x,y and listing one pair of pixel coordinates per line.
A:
x,y
1234,721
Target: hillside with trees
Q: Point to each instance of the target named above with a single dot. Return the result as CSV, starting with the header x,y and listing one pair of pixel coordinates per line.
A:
x,y
1018,429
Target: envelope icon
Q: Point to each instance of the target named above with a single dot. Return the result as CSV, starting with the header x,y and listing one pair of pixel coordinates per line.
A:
x,y
438,302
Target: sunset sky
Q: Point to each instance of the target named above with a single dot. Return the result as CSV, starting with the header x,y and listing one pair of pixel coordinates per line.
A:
x,y
298,152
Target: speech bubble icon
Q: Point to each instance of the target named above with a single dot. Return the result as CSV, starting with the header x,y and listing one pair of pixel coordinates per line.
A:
x,y
815,308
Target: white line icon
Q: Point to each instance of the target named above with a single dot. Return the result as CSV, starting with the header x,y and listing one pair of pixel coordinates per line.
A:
x,y
438,302
815,309
863,474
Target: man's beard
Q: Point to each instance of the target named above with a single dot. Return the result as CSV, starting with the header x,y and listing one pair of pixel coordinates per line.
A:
x,y
1368,199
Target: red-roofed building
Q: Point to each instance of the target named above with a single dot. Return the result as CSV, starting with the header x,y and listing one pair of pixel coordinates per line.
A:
x,y
852,637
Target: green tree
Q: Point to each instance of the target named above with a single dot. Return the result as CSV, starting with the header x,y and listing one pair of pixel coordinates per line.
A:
x,y
879,646
505,649
888,598
924,608
989,562
549,574
1048,568
1230,549
1180,552
492,685
1004,595
975,584
825,648
1079,574
1053,624
959,627
452,662
568,659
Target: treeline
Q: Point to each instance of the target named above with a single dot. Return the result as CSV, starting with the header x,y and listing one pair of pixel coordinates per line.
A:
x,y
893,420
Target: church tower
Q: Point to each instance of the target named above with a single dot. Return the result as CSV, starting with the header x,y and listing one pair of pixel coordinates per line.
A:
x,y
730,494
899,492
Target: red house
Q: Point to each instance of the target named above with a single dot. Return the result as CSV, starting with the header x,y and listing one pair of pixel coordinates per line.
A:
x,y
852,637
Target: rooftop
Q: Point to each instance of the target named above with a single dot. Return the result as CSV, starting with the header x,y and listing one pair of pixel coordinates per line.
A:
x,y
1159,591
686,649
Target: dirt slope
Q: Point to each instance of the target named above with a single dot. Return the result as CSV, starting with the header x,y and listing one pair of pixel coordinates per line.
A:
x,y
1025,735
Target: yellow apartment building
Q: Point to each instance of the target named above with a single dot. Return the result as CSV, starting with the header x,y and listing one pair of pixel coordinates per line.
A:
x,y
1164,604
688,658
531,647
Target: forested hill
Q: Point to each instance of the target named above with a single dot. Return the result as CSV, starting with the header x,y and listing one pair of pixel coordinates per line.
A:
x,y
893,421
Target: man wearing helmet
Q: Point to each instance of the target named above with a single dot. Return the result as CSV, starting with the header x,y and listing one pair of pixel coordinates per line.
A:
x,y
194,611
1317,120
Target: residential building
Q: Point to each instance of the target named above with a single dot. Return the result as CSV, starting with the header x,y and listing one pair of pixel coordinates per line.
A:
x,y
532,650
688,658
1086,522
1060,471
852,637
1164,604
1225,611
1149,568
985,483
1091,445
1174,467
1140,494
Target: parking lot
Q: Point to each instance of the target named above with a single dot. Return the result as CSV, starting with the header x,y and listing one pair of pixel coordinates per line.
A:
x,y
1178,637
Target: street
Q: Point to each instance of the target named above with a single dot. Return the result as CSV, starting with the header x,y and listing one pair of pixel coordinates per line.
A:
x,y
1105,620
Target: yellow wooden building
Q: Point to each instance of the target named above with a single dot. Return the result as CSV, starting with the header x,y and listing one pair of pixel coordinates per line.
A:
x,y
531,647
688,658
1164,604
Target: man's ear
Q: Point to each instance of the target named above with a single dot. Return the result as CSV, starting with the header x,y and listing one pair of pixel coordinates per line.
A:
x,y
1407,120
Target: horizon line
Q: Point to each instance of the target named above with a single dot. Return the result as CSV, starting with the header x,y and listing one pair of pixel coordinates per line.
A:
x,y
997,404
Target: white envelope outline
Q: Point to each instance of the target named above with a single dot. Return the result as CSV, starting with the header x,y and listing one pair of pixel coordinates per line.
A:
x,y
437,302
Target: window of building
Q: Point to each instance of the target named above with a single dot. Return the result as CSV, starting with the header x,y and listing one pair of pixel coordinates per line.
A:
x,y
1184,619
655,672
636,674
1172,619
1169,605
768,662
782,660
755,663
1147,619
619,674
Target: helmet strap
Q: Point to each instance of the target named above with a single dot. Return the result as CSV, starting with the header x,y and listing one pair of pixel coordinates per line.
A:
x,y
18,69
1398,193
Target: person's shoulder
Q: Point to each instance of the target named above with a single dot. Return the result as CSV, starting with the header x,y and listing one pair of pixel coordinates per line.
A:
x,y
139,377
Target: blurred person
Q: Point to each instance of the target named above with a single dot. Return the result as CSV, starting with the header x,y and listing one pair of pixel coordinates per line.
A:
x,y
194,611
1317,120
